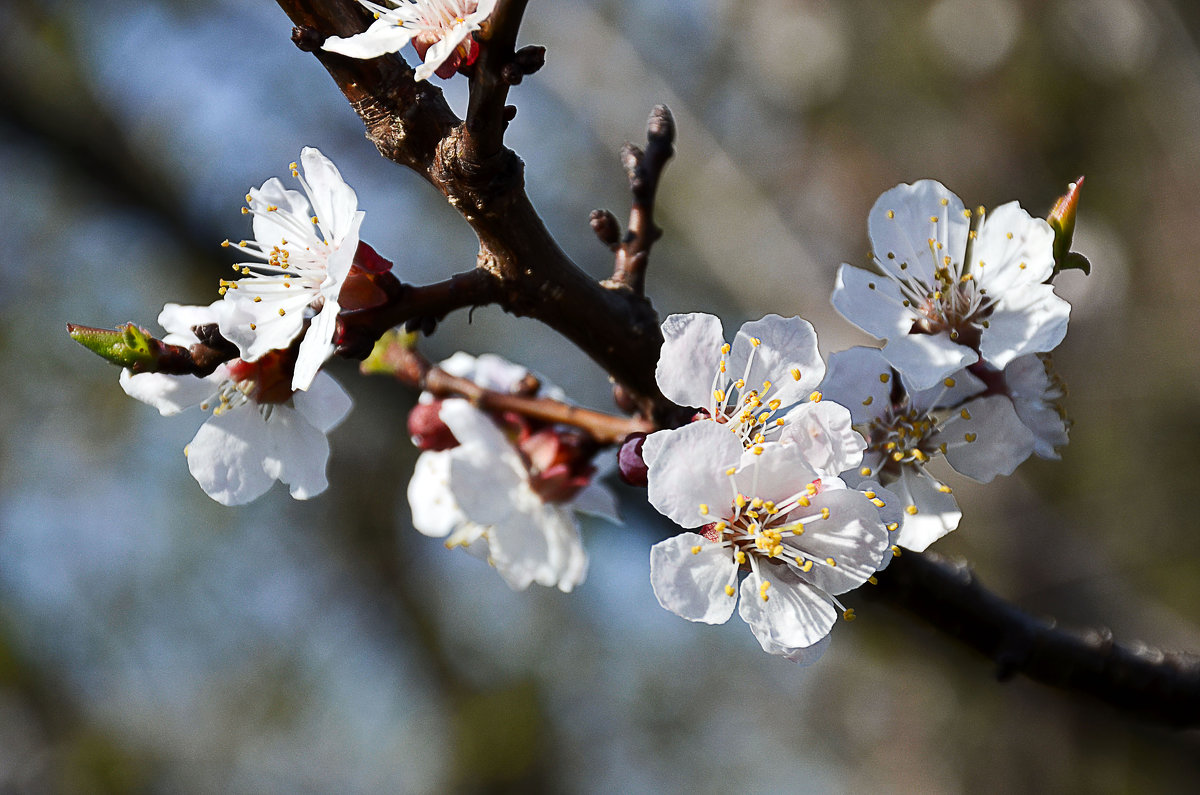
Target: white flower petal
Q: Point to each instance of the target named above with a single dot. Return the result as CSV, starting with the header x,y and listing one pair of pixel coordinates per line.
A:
x,y
334,202
1015,248
692,584
325,404
179,320
925,359
298,453
385,35
900,224
853,537
435,512
598,500
687,470
936,511
824,433
227,456
170,394
690,354
795,615
786,344
992,442
540,544
1030,319
860,379
878,309
316,347
1036,399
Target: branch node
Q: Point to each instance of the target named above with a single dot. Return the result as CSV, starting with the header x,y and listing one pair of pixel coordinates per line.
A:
x,y
307,39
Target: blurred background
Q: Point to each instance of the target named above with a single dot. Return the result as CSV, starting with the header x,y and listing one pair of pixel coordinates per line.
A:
x,y
153,641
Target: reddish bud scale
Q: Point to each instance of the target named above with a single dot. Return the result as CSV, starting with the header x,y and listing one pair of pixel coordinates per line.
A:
x,y
427,429
271,375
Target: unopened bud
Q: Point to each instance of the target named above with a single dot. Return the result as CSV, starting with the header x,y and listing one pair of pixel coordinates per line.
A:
x,y
606,227
427,429
630,464
128,346
1062,221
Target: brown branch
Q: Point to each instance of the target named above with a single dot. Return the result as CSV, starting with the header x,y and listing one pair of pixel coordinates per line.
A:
x,y
644,169
411,125
1163,687
493,74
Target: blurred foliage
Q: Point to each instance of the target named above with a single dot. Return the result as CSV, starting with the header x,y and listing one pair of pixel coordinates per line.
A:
x,y
174,645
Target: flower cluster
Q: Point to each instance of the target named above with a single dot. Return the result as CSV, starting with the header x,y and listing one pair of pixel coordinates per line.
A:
x,y
441,31
757,476
505,488
271,408
965,304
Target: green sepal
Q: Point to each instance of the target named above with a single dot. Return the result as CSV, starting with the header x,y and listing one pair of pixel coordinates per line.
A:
x,y
1075,261
125,346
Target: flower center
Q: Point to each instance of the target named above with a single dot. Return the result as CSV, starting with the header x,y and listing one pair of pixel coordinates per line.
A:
x,y
747,410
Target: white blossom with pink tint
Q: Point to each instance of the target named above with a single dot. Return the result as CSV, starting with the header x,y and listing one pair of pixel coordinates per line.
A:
x,y
440,30
304,245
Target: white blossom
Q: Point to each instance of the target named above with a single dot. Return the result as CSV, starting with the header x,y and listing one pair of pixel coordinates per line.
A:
x,y
981,437
440,31
954,286
259,431
801,539
304,244
483,494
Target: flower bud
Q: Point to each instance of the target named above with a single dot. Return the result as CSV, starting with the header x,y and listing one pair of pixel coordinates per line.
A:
x,y
128,346
630,463
1062,221
427,429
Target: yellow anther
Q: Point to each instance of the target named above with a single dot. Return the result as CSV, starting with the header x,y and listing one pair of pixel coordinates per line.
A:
x,y
757,449
729,590
258,299
885,377
865,471
755,341
281,312
933,219
824,513
245,211
272,208
849,614
891,213
226,244
314,220
949,382
895,550
696,550
776,550
1022,266
795,373
779,422
966,415
775,404
766,387
720,527
873,580
870,495
893,527
879,503
870,399
719,394
725,348
807,566
897,456
798,529
803,502
920,455
815,397
740,501
703,509
911,510
740,383
756,502
731,471
811,488
253,326
970,437
292,166
740,557
944,489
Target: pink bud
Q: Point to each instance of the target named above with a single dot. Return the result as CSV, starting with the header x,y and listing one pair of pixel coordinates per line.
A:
x,y
427,429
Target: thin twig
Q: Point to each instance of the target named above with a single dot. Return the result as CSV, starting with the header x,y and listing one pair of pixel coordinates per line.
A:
x,y
644,169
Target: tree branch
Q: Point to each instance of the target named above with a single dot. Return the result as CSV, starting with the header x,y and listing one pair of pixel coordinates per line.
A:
x,y
411,125
1163,687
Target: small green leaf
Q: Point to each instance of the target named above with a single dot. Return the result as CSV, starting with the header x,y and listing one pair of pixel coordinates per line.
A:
x,y
383,359
1076,261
